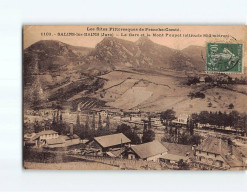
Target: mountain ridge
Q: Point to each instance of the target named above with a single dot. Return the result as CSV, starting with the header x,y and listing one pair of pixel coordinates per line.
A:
x,y
51,64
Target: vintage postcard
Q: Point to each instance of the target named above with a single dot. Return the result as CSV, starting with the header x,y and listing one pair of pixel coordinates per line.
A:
x,y
135,97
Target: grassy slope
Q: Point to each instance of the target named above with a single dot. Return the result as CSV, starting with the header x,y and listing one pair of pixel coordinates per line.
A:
x,y
161,91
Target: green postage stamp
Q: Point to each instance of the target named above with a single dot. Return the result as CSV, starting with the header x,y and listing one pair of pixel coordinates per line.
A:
x,y
224,57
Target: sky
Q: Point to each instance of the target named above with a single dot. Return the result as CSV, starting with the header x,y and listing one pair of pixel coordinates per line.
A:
x,y
172,39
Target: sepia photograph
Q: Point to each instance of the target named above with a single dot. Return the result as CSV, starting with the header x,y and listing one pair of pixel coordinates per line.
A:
x,y
134,97
123,96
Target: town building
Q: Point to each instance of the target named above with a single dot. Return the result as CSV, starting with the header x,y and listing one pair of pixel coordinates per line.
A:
x,y
150,151
218,153
181,120
156,122
180,149
51,139
177,152
42,137
105,143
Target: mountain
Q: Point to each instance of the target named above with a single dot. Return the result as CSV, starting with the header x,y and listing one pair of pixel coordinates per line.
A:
x,y
48,65
58,72
197,55
112,53
52,56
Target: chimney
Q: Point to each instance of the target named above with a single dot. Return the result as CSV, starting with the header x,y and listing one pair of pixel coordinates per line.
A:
x,y
71,129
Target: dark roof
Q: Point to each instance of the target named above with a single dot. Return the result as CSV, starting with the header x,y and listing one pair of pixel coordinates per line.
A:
x,y
112,140
149,149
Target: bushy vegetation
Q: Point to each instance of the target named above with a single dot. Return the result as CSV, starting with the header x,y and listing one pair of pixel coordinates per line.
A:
x,y
148,136
184,138
167,116
128,132
196,95
232,119
217,79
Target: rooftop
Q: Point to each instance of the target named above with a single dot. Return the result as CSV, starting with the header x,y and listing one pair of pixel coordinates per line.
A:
x,y
230,153
58,140
115,153
112,140
179,149
46,132
213,145
149,149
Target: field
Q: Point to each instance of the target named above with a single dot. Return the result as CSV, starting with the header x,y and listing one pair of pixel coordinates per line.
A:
x,y
158,91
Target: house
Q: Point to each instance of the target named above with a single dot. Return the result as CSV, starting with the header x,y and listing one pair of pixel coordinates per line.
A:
x,y
54,143
202,79
180,150
107,142
42,137
150,151
177,152
218,153
28,139
181,120
132,115
156,122
51,139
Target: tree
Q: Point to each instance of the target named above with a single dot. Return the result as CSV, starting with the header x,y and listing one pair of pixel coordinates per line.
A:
x,y
78,123
61,117
37,127
126,130
145,126
123,128
148,136
107,123
78,127
190,125
57,115
167,115
195,140
184,139
93,122
149,122
99,123
231,106
183,165
87,128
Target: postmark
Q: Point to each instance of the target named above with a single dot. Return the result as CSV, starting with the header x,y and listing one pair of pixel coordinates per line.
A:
x,y
224,57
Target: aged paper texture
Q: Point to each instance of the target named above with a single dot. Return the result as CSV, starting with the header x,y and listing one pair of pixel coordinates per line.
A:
x,y
135,97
